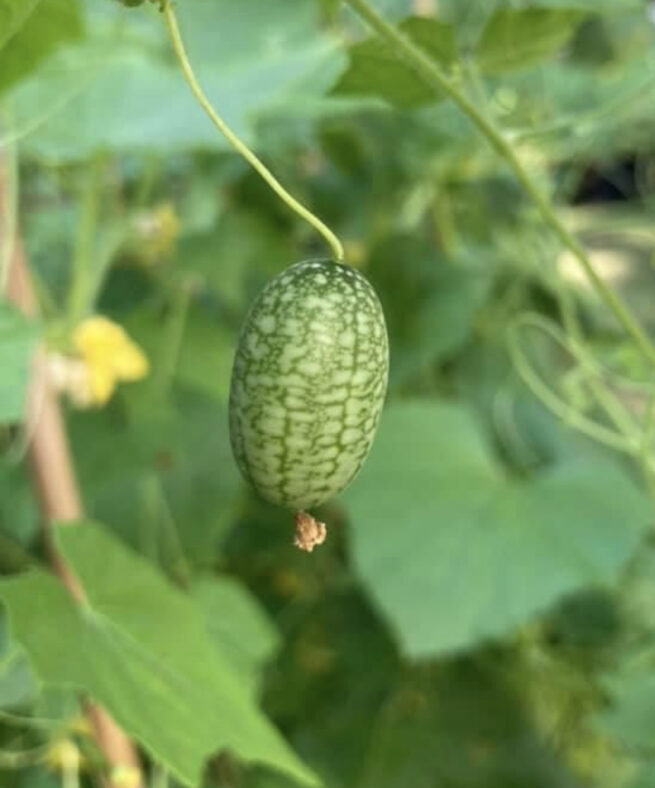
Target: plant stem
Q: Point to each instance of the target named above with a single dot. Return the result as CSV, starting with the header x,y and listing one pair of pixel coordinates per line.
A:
x,y
173,336
55,485
236,143
432,75
565,412
84,248
10,210
21,759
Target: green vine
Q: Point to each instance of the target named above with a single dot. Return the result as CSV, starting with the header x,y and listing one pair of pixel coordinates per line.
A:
x,y
434,77
628,437
627,434
236,143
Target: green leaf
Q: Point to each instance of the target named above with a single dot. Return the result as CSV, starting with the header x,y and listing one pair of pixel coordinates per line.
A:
x,y
241,629
630,715
121,88
13,15
376,70
454,552
17,683
429,304
18,337
236,259
140,648
169,484
205,360
459,723
516,38
332,678
51,24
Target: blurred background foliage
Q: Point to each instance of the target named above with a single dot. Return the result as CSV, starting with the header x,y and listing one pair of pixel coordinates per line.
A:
x,y
483,613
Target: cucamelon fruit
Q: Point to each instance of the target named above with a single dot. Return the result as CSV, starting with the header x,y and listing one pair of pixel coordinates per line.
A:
x,y
308,385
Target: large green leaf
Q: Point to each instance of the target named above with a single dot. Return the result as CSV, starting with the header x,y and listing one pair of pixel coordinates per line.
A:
x,y
429,304
236,259
630,715
13,15
333,676
140,648
512,38
242,630
18,338
576,112
17,684
42,27
454,552
207,345
165,479
460,723
376,70
515,38
122,89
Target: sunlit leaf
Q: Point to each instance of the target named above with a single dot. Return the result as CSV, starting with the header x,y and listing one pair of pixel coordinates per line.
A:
x,y
42,26
515,38
454,552
122,88
459,723
13,14
243,632
630,715
375,68
17,682
140,648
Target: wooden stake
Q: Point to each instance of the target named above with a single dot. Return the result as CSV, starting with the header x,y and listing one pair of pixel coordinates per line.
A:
x,y
56,488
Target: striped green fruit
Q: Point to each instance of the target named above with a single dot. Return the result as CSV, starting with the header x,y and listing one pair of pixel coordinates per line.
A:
x,y
308,383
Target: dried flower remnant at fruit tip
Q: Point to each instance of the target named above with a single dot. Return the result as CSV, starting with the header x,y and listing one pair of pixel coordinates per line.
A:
x,y
310,533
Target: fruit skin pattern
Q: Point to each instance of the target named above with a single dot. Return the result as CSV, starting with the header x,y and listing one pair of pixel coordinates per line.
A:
x,y
308,383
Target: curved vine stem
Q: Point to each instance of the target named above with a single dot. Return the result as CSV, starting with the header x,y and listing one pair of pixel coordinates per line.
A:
x,y
433,76
628,444
236,143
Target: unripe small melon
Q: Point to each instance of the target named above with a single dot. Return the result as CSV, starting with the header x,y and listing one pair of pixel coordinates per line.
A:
x,y
308,383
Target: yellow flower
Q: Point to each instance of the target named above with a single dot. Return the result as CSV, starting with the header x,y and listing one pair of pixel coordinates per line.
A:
x,y
109,356
125,777
63,755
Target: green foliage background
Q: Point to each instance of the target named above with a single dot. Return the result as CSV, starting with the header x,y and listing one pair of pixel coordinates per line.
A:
x,y
483,612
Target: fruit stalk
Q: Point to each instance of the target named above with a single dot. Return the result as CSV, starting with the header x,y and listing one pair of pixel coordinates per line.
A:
x,y
240,147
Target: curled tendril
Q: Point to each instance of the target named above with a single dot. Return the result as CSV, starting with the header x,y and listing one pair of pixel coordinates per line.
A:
x,y
11,759
621,441
241,148
23,721
19,759
503,414
585,359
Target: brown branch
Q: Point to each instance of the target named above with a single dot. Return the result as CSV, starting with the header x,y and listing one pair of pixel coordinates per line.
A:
x,y
56,488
